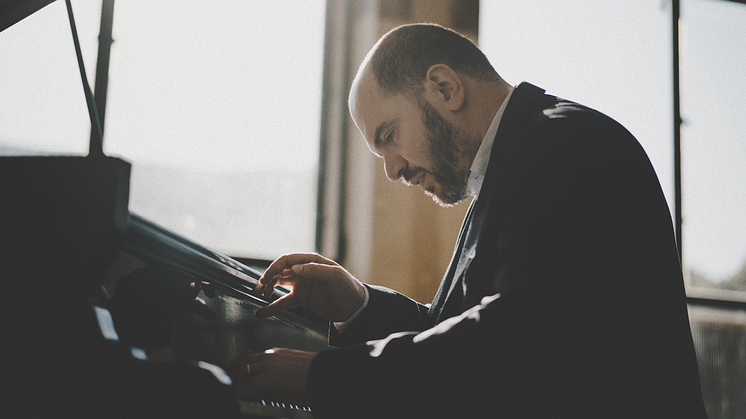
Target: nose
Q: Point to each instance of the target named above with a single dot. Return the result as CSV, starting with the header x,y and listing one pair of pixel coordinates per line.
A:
x,y
394,165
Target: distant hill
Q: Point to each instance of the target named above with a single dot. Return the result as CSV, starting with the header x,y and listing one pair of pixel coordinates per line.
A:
x,y
258,215
737,282
249,214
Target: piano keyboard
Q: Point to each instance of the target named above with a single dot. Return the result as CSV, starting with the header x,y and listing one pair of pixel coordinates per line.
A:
x,y
268,409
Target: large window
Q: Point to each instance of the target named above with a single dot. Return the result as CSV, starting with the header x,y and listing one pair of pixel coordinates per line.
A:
x,y
612,56
617,57
713,145
216,105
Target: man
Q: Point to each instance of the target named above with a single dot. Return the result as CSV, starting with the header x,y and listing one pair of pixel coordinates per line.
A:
x,y
564,297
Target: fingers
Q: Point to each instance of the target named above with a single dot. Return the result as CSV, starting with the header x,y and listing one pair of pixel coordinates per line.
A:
x,y
238,369
288,261
280,373
317,270
279,271
247,375
301,272
283,303
265,289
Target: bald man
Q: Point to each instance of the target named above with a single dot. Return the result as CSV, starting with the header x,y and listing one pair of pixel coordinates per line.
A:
x,y
564,297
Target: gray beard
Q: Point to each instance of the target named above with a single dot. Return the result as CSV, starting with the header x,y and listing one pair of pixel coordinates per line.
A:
x,y
449,147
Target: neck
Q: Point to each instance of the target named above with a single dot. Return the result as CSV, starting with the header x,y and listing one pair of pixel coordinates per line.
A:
x,y
486,100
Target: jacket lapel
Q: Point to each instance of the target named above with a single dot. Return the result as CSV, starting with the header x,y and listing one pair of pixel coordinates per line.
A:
x,y
449,301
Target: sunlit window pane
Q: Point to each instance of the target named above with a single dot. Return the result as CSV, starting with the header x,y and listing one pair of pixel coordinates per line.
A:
x,y
42,105
613,56
713,53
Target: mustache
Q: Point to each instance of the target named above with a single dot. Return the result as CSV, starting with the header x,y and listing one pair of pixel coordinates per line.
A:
x,y
411,173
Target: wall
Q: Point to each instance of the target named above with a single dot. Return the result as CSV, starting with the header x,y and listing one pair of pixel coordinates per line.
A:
x,y
388,234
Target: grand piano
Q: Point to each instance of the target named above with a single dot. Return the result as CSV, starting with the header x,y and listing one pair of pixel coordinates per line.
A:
x,y
106,314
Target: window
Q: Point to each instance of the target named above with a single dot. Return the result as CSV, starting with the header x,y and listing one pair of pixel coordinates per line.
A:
x,y
216,105
713,146
612,56
617,57
42,106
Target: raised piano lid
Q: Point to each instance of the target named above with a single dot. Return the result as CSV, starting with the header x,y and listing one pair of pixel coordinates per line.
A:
x,y
13,11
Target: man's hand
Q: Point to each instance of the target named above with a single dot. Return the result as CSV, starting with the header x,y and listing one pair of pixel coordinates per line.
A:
x,y
277,374
320,285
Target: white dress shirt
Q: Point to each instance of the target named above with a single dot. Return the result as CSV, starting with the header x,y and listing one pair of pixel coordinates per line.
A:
x,y
479,165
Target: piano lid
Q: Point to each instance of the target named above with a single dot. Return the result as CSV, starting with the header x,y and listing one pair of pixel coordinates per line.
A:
x,y
13,11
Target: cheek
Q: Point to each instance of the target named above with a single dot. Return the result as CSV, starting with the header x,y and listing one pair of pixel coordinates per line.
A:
x,y
416,150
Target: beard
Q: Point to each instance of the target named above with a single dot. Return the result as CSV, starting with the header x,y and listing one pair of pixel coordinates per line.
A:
x,y
451,150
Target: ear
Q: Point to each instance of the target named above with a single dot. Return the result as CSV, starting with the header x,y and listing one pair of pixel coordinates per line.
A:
x,y
444,86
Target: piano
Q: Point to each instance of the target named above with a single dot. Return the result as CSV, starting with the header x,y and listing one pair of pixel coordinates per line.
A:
x,y
107,314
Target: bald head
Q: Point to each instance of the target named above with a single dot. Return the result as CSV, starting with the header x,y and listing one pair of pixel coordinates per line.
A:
x,y
400,59
399,64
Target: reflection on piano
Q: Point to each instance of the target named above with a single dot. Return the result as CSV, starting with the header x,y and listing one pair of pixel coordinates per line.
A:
x,y
71,251
106,314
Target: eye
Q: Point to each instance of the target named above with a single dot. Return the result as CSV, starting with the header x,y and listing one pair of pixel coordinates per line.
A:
x,y
389,138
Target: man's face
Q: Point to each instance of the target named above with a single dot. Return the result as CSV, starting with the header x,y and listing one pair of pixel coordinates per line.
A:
x,y
415,141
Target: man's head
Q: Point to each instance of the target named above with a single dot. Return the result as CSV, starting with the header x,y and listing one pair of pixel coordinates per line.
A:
x,y
416,99
401,58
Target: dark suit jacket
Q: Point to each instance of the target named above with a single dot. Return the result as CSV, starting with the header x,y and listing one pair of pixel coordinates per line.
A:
x,y
564,297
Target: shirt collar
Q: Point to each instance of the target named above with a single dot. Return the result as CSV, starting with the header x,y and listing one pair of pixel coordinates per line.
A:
x,y
482,159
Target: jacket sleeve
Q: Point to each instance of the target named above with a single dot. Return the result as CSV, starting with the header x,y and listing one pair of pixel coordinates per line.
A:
x,y
387,312
406,374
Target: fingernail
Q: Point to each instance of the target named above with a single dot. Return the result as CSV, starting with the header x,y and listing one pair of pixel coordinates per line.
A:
x,y
297,269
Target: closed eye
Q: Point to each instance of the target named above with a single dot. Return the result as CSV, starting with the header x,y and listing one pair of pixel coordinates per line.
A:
x,y
383,142
389,139
384,134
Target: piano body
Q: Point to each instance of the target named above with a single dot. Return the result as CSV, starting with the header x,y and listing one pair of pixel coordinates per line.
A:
x,y
106,314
